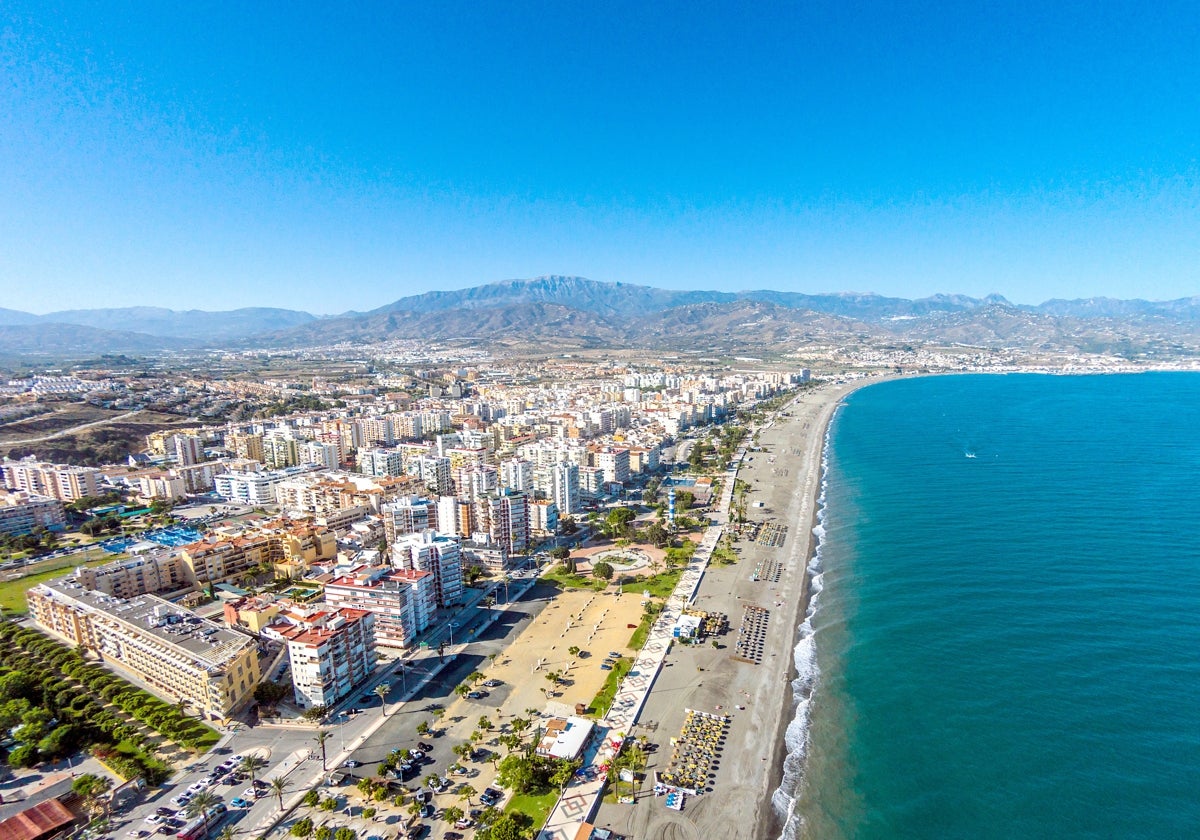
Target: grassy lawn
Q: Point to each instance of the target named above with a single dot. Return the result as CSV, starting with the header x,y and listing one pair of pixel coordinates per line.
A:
x,y
558,576
642,632
604,697
12,592
534,805
659,586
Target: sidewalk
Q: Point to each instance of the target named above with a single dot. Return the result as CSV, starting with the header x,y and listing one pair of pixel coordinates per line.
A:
x,y
581,797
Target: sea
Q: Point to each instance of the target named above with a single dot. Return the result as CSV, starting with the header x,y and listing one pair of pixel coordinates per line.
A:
x,y
1005,636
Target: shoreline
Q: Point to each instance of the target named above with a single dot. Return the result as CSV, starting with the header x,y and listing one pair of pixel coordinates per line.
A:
x,y
784,476
769,824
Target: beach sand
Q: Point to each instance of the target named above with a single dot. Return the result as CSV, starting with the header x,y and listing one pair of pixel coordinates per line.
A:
x,y
786,478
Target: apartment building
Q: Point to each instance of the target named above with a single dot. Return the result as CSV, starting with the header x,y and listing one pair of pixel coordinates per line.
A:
x,y
402,601
614,461
186,450
503,518
248,446
324,455
441,555
516,474
564,488
21,512
543,517
59,481
255,488
380,462
149,573
434,472
331,653
224,558
409,515
179,655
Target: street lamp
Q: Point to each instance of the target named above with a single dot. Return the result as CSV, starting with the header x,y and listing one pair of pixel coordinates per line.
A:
x,y
403,669
452,625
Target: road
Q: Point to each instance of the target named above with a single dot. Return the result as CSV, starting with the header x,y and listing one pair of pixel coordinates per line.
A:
x,y
69,431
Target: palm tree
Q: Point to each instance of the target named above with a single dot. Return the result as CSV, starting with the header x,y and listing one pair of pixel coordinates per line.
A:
x,y
381,691
461,689
200,806
250,765
321,737
465,791
279,786
226,833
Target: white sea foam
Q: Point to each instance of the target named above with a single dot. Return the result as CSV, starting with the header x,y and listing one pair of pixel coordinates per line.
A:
x,y
795,738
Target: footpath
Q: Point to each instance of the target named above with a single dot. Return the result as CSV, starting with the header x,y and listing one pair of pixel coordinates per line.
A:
x,y
581,797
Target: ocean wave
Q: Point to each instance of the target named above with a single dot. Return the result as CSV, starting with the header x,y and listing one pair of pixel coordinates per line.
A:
x,y
785,798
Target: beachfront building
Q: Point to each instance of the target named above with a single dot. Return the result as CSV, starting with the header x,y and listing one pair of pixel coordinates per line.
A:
x,y
503,518
438,554
564,737
409,515
331,653
177,654
402,601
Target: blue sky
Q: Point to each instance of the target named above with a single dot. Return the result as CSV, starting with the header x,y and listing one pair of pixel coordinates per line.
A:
x,y
338,156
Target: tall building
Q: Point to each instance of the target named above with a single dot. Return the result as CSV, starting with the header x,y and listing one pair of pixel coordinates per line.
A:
x,y
434,471
247,446
409,515
564,488
614,461
21,512
516,474
402,601
331,653
178,655
380,462
58,481
187,450
280,450
324,455
454,518
543,516
504,518
435,553
473,479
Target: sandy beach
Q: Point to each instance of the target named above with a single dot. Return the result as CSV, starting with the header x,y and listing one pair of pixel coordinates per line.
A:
x,y
785,479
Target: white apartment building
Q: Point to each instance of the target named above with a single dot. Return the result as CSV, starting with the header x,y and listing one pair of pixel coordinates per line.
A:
x,y
434,472
429,551
503,518
564,488
402,601
255,488
186,449
324,455
59,481
380,462
331,653
516,474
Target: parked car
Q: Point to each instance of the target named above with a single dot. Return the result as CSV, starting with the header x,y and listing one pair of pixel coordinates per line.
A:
x,y
476,695
250,793
165,812
238,802
424,746
493,683
351,763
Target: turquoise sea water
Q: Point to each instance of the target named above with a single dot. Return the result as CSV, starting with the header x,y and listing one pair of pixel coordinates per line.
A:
x,y
1007,637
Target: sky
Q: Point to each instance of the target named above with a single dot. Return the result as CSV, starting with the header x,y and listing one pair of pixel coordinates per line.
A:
x,y
338,156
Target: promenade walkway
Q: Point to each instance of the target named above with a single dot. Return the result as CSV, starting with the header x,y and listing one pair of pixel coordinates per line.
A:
x,y
582,796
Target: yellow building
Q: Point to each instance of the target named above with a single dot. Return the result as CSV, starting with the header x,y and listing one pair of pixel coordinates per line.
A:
x,y
177,654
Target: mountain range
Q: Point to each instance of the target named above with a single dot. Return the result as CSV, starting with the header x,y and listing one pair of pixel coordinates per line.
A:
x,y
575,312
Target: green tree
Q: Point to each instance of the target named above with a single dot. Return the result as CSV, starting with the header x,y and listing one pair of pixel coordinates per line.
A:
x,y
602,570
279,786
381,691
201,805
321,737
250,765
302,827
466,792
323,832
26,755
452,814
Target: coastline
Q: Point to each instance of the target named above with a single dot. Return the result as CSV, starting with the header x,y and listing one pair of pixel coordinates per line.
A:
x,y
769,823
785,477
